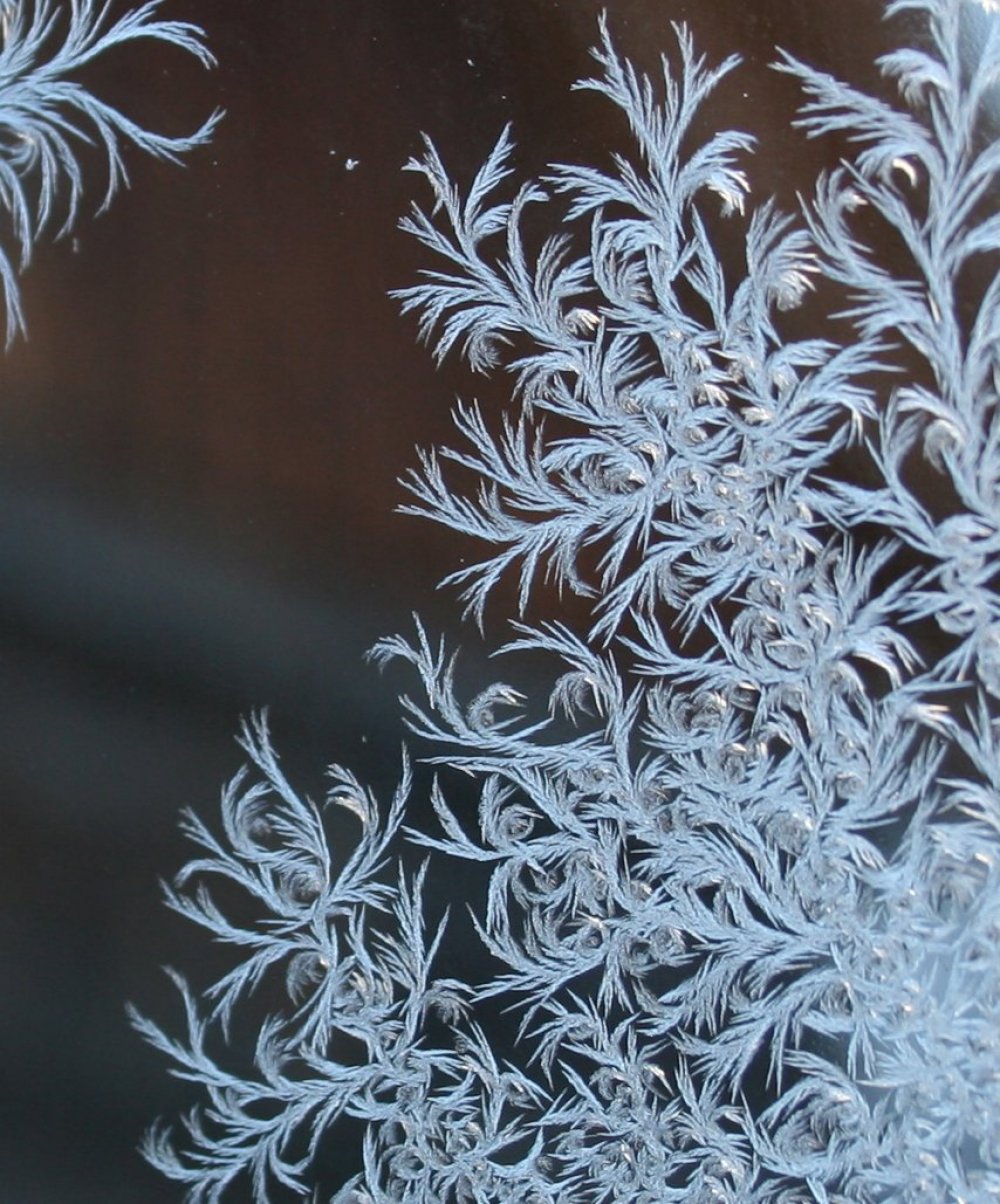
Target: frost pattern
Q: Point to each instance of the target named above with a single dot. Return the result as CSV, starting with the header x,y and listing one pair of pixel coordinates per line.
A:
x,y
47,114
742,876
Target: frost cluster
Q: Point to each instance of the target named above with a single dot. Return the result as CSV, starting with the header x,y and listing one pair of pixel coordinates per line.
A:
x,y
741,878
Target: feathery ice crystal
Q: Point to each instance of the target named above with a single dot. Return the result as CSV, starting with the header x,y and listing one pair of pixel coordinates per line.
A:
x,y
47,114
741,883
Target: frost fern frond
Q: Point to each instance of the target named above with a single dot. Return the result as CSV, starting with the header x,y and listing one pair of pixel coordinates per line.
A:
x,y
47,115
734,831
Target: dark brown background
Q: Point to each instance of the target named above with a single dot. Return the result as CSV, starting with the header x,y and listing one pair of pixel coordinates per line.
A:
x,y
199,450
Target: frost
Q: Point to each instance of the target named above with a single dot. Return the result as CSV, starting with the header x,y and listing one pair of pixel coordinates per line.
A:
x,y
741,874
47,115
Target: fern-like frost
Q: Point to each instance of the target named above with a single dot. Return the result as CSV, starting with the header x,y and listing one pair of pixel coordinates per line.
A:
x,y
741,889
47,116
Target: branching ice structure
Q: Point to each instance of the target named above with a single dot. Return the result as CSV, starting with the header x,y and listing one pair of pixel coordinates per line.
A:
x,y
47,115
743,879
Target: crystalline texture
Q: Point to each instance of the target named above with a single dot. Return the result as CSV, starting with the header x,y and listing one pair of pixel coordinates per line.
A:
x,y
742,881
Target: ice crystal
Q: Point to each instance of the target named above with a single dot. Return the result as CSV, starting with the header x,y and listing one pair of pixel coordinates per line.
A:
x,y
741,880
47,115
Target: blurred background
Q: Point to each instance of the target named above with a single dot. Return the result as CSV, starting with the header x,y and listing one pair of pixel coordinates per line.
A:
x,y
200,445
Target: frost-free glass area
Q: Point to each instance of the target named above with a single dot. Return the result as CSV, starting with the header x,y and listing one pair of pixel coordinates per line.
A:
x,y
690,895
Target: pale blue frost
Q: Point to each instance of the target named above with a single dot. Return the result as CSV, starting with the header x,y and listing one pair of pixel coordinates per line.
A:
x,y
743,889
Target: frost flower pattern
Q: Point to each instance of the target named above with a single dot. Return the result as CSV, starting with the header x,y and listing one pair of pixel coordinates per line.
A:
x,y
740,874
